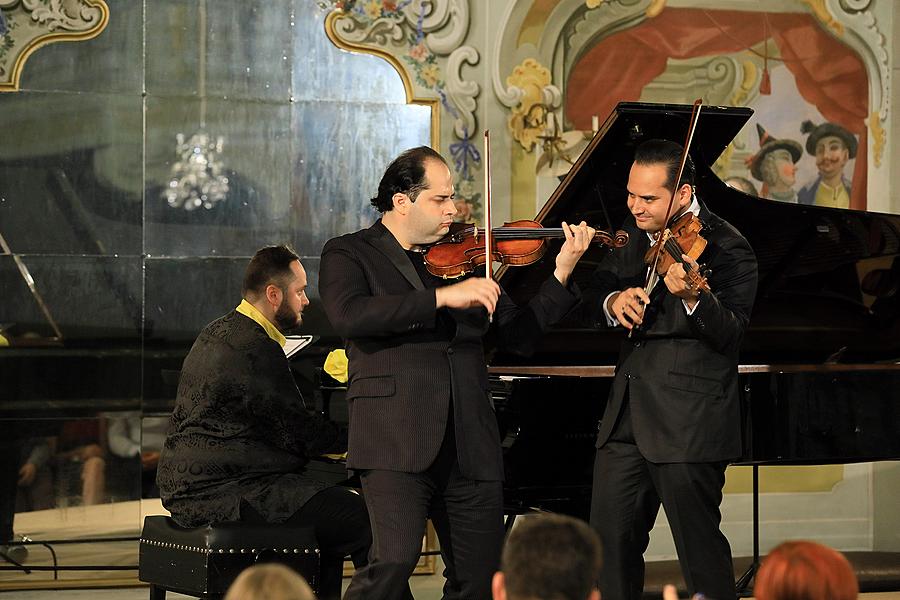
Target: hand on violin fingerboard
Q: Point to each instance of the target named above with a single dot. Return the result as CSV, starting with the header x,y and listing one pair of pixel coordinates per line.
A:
x,y
680,282
469,293
578,240
628,305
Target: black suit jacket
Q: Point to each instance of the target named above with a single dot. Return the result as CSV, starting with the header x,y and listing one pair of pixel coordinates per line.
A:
x,y
401,379
680,370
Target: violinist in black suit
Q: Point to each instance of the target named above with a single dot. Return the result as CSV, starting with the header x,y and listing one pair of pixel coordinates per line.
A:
x,y
672,421
423,434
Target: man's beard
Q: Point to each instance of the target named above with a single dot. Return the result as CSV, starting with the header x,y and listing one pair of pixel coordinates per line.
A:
x,y
286,319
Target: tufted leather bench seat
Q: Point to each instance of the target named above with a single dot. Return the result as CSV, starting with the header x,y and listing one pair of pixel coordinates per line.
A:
x,y
204,561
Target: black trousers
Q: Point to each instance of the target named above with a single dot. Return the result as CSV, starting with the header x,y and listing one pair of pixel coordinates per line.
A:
x,y
467,516
627,492
338,515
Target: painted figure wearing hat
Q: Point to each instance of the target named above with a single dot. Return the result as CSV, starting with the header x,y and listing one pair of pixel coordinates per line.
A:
x,y
833,146
775,165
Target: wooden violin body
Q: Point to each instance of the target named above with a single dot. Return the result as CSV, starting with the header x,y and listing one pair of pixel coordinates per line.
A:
x,y
683,237
517,243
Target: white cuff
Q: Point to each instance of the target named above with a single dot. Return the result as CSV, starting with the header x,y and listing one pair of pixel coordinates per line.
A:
x,y
610,320
690,311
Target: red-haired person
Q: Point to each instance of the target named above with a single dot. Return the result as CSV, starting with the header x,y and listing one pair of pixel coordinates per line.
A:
x,y
802,570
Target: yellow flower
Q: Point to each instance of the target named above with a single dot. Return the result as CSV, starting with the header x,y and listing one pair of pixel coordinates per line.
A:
x,y
336,365
373,9
430,75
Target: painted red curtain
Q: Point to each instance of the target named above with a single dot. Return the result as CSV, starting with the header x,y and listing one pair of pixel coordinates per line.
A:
x,y
828,73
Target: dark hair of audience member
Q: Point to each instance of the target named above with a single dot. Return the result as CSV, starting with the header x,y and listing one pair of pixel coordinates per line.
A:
x,y
271,264
270,581
803,570
405,175
552,557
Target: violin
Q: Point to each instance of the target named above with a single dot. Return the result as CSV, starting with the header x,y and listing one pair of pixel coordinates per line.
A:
x,y
682,237
518,243
662,253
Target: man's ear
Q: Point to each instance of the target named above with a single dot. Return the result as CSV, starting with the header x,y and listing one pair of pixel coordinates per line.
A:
x,y
684,194
498,586
401,202
273,294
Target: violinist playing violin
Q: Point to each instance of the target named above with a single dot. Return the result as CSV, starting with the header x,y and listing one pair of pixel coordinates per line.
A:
x,y
423,435
672,420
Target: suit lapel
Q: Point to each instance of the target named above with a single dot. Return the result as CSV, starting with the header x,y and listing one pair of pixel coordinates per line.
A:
x,y
383,240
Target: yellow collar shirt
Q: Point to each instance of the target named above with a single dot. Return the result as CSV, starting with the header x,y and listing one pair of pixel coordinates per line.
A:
x,y
251,312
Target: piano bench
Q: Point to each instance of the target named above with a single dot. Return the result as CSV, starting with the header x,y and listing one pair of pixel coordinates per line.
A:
x,y
204,561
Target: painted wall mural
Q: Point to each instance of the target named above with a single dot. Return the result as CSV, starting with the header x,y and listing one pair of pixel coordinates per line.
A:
x,y
26,25
822,88
816,72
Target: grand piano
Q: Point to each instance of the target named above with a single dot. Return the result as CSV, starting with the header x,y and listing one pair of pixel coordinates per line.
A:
x,y
819,365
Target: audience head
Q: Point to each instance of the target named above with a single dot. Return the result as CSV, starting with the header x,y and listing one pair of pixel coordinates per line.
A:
x,y
269,582
803,570
549,557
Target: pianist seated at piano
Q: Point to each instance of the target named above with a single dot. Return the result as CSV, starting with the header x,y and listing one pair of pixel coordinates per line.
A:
x,y
240,439
672,421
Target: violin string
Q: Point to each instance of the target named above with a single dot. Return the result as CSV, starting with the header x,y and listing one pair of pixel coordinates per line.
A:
x,y
674,250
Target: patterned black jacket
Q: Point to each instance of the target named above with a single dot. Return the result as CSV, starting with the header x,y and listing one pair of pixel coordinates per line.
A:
x,y
239,431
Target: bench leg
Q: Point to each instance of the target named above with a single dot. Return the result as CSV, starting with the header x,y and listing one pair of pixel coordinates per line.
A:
x,y
157,593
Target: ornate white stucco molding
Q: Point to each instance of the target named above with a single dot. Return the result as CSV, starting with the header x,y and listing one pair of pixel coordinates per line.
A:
x,y
854,23
423,40
26,25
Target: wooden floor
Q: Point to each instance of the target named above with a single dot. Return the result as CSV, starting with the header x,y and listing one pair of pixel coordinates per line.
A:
x,y
424,588
123,519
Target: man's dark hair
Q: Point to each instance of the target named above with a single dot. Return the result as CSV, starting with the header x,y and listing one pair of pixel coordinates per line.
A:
x,y
667,153
551,557
271,264
405,175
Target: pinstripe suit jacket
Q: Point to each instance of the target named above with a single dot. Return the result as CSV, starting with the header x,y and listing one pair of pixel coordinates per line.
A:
x,y
402,380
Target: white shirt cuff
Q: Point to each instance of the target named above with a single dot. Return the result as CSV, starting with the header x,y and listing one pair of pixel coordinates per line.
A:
x,y
690,311
610,320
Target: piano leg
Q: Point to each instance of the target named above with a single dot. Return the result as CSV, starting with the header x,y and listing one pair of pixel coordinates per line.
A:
x,y
743,586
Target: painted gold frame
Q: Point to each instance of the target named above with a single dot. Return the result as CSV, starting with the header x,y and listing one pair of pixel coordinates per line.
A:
x,y
11,83
411,98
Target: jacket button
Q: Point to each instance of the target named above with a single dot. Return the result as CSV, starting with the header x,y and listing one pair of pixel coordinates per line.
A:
x,y
637,344
450,351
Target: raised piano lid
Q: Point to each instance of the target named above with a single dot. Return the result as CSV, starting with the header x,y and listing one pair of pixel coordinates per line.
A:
x,y
829,279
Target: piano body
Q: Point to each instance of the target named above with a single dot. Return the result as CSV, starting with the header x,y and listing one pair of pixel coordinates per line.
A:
x,y
818,369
